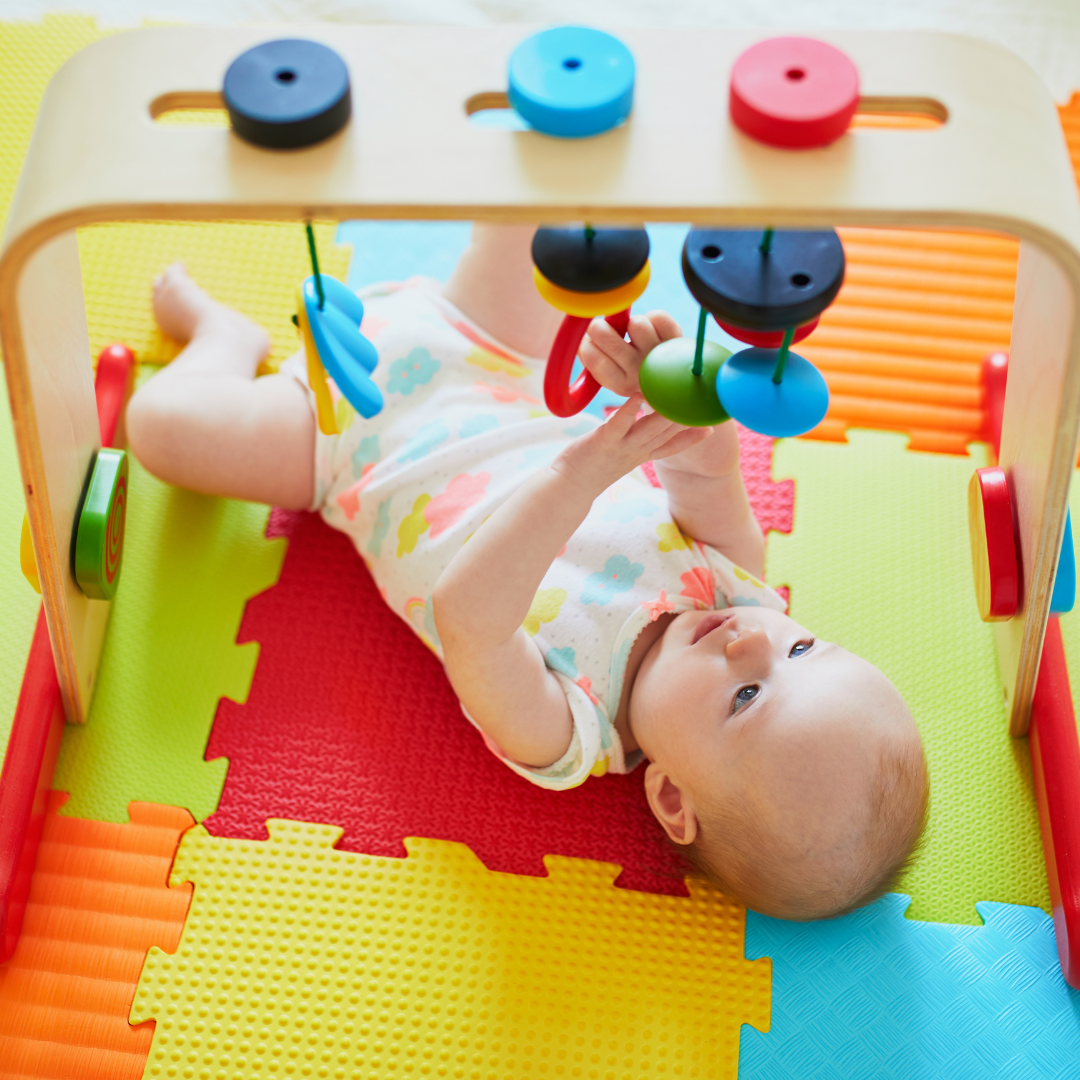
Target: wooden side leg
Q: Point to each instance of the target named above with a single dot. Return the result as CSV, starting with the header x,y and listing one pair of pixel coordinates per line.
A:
x,y
38,726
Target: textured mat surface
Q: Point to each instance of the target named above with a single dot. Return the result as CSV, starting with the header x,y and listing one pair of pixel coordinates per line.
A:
x,y
879,561
299,960
99,900
877,995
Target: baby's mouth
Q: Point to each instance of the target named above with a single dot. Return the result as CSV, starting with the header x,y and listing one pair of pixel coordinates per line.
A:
x,y
713,621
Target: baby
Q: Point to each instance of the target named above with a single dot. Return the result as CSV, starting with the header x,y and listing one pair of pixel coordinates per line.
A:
x,y
588,620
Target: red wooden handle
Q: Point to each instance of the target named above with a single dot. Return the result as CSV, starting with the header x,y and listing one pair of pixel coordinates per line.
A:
x,y
563,399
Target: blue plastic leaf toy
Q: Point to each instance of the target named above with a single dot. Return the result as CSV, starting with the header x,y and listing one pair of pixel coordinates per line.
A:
x,y
347,355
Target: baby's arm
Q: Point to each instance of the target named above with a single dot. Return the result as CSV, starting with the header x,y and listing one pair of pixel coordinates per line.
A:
x,y
493,285
485,593
205,422
705,490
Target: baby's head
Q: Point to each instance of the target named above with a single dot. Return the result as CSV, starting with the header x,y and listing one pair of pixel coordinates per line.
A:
x,y
790,768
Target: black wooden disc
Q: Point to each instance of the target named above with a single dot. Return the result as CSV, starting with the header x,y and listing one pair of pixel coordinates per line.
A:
x,y
573,259
288,93
729,275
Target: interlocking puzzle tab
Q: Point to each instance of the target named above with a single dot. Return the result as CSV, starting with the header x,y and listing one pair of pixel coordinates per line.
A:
x,y
297,959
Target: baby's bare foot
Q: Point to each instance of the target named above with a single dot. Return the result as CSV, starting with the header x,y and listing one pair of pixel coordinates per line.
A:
x,y
184,311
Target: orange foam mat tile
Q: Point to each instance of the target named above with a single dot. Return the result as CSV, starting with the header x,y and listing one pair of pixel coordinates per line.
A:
x,y
901,346
99,900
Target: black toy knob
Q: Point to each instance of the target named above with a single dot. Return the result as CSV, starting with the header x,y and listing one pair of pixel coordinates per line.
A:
x,y
286,94
586,260
745,283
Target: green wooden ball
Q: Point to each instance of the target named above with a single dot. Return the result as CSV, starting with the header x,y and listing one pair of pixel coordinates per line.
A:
x,y
673,390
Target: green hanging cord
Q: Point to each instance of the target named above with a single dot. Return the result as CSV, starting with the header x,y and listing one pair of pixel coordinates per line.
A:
x,y
766,242
697,368
781,358
315,264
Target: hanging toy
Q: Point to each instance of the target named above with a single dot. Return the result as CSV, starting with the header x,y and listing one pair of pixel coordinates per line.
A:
x,y
328,316
678,379
769,290
585,272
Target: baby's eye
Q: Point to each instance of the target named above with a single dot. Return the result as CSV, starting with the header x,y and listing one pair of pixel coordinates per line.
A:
x,y
800,647
744,697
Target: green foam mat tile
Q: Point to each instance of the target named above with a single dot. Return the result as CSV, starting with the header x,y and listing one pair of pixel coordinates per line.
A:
x,y
879,560
191,562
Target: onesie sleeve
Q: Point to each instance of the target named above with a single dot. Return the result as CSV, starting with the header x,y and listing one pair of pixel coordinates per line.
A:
x,y
590,753
736,588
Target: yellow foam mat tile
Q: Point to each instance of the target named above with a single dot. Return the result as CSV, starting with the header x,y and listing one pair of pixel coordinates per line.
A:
x,y
300,960
253,268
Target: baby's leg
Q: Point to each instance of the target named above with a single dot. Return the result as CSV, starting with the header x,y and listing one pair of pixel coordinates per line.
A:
x,y
493,285
205,422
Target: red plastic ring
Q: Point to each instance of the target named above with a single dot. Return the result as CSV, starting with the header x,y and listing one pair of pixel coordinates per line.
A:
x,y
767,339
561,398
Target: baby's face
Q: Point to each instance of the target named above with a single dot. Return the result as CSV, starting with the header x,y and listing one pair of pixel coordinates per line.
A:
x,y
747,703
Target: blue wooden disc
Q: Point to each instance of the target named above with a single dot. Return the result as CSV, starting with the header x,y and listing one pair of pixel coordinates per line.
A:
x,y
572,81
287,94
747,393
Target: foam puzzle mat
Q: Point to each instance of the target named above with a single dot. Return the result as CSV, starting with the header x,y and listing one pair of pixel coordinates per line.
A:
x,y
885,992
877,994
99,900
300,960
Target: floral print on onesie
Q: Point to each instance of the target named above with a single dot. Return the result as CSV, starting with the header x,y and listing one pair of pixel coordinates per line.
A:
x,y
464,423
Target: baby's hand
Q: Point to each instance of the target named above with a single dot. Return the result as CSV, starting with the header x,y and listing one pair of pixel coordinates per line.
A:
x,y
614,362
625,441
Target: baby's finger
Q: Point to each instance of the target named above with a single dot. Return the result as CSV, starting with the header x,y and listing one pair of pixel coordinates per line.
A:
x,y
665,326
625,416
608,340
643,335
606,371
681,441
654,429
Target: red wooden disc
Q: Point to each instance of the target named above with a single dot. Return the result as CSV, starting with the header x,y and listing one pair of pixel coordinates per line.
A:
x,y
794,92
767,339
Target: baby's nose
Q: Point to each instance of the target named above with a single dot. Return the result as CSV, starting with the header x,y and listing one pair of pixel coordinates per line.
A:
x,y
749,642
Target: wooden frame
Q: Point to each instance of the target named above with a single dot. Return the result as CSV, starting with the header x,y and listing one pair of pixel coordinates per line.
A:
x,y
999,162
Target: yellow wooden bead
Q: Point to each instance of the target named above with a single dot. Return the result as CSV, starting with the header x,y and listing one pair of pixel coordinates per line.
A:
x,y
589,305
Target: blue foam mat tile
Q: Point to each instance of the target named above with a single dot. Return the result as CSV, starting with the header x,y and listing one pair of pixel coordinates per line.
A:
x,y
874,994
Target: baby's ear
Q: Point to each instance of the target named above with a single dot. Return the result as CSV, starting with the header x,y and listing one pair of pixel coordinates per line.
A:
x,y
670,805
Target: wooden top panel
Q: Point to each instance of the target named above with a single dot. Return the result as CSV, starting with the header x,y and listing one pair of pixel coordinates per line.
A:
x,y
999,161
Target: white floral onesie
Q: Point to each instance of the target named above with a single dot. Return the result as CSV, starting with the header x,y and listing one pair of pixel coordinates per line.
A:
x,y
464,423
